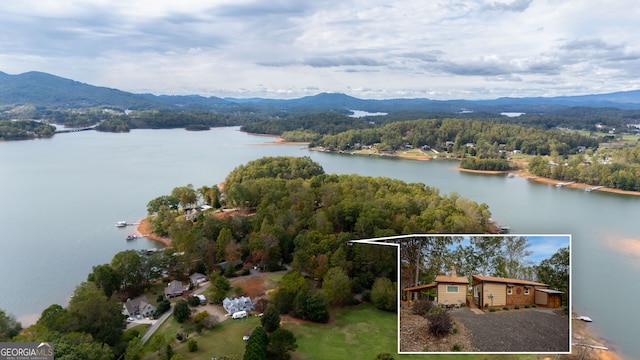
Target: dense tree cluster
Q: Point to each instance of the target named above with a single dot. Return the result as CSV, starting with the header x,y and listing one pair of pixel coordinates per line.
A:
x,y
307,127
617,169
460,136
555,273
473,163
24,129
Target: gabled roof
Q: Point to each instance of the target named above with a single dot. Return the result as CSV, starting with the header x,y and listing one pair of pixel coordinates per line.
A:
x,y
507,280
452,279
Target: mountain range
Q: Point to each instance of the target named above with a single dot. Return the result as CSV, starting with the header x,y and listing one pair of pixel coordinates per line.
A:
x,y
49,91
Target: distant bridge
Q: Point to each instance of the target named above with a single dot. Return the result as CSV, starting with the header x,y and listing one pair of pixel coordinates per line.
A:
x,y
92,127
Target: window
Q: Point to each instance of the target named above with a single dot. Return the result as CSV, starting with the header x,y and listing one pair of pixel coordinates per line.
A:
x,y
452,288
526,291
509,290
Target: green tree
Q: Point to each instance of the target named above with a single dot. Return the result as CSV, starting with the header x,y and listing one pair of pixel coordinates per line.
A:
x,y
256,348
57,318
384,294
181,311
270,319
106,278
9,327
337,286
192,345
134,350
281,342
555,273
96,314
128,264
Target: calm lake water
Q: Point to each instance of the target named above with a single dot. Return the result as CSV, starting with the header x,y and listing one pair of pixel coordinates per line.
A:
x,y
61,198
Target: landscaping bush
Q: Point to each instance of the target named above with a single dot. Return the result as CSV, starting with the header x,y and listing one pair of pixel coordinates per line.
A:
x,y
463,305
245,272
163,306
517,307
456,347
455,330
527,306
193,301
192,345
200,317
505,308
440,323
421,307
534,305
493,309
366,295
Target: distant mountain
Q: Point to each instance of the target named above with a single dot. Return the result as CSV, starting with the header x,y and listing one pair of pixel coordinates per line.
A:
x,y
46,90
50,91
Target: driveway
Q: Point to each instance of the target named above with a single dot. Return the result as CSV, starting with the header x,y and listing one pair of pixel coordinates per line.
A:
x,y
522,330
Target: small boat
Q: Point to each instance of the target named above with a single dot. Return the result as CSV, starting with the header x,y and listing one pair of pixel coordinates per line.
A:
x,y
132,237
584,318
121,224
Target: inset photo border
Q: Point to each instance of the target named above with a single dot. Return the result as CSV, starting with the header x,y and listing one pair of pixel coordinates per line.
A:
x,y
483,293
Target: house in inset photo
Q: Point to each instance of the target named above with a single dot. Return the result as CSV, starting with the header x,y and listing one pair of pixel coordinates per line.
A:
x,y
451,290
490,291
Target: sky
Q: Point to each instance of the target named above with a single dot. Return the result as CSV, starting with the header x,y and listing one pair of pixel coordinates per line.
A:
x,y
436,49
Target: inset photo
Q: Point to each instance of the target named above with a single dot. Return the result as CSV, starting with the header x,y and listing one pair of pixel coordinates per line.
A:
x,y
485,294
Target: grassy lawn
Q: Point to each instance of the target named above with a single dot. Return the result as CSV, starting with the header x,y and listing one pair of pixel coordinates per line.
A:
x,y
223,340
359,332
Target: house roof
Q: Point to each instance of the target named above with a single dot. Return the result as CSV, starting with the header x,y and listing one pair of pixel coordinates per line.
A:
x,y
197,276
549,291
421,287
174,287
452,279
507,280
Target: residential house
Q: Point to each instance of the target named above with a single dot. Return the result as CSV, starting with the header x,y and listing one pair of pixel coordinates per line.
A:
x,y
489,291
138,306
237,304
197,278
173,289
451,290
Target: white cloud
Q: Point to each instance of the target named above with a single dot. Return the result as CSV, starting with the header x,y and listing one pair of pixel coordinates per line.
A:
x,y
287,48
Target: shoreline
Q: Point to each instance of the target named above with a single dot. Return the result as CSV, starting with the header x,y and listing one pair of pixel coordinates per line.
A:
x,y
145,230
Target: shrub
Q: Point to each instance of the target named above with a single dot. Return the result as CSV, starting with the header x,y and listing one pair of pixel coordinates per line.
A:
x,y
181,311
486,306
517,307
200,317
421,307
456,347
384,294
163,306
366,295
192,345
463,304
440,323
493,309
505,308
533,305
455,330
245,272
179,336
193,301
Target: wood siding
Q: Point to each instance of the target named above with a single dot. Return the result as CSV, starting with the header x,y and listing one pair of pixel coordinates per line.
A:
x,y
452,297
499,292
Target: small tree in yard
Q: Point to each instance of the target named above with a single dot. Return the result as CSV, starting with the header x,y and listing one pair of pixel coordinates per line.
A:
x,y
181,311
270,319
192,345
256,345
384,294
281,342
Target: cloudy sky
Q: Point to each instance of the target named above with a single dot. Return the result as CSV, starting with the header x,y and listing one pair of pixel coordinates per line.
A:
x,y
438,49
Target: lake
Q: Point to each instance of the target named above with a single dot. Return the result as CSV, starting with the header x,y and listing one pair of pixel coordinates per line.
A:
x,y
62,197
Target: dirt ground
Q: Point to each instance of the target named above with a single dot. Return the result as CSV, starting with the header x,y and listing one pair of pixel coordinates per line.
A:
x,y
415,337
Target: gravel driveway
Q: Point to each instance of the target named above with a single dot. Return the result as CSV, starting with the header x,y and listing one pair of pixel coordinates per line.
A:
x,y
523,330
